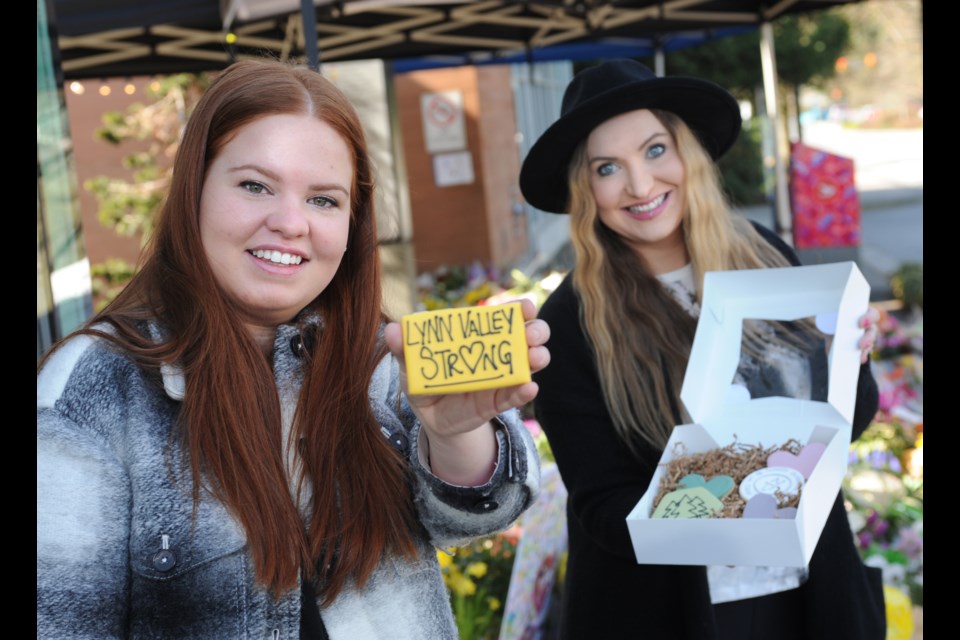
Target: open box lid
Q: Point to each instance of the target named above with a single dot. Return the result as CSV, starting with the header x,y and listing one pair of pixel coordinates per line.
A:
x,y
836,294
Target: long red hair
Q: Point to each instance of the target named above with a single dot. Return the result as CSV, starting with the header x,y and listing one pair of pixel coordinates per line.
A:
x,y
230,418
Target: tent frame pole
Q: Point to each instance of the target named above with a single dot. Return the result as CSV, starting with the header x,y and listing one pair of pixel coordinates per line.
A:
x,y
308,18
783,216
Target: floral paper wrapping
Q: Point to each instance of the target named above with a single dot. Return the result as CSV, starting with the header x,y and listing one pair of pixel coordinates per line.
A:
x,y
539,554
826,208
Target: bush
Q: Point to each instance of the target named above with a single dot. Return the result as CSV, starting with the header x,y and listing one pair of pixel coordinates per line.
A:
x,y
907,285
109,279
741,169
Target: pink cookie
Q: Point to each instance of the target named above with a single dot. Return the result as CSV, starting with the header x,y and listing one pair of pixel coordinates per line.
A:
x,y
764,505
805,462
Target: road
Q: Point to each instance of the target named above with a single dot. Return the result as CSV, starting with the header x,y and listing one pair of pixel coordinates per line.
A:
x,y
883,158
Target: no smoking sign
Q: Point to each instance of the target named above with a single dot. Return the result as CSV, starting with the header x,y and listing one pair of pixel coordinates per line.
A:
x,y
441,112
443,128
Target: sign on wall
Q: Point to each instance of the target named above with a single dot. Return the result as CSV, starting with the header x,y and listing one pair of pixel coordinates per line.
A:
x,y
443,127
451,169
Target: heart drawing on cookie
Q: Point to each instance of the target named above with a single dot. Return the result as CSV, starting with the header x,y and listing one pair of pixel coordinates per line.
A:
x,y
717,485
471,354
764,505
805,462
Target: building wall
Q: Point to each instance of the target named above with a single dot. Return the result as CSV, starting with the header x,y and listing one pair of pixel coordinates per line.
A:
x,y
366,85
98,158
500,159
456,225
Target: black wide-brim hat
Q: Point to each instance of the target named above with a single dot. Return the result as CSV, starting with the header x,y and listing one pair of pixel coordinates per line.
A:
x,y
616,86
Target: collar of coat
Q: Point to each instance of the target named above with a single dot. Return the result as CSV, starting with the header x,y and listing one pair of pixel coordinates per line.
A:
x,y
288,346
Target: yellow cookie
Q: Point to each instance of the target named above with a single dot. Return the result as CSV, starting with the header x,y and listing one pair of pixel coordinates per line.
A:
x,y
468,349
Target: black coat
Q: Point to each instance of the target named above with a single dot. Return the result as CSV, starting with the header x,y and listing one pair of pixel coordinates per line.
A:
x,y
607,594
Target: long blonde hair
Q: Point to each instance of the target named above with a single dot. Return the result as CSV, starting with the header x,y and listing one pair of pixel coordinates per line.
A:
x,y
639,334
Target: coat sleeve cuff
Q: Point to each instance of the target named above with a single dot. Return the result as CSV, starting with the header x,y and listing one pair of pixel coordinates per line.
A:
x,y
452,512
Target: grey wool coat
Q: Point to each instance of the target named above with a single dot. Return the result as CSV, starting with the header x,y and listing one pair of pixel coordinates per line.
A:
x,y
119,554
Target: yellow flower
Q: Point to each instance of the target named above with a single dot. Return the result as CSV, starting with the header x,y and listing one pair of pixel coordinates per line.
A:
x,y
493,603
432,303
476,569
562,568
445,559
461,585
899,614
478,293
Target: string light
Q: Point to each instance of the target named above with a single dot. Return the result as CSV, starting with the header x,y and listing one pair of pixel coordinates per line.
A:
x,y
77,88
129,88
104,89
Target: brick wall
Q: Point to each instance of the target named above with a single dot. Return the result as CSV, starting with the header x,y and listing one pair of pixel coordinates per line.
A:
x,y
462,223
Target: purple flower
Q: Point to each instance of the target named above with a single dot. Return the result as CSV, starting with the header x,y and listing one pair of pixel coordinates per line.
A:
x,y
476,274
880,528
910,543
896,341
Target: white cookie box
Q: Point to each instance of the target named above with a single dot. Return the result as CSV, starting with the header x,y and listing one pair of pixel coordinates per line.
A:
x,y
829,291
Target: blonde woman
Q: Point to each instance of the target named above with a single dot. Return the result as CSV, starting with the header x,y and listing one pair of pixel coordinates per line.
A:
x,y
631,159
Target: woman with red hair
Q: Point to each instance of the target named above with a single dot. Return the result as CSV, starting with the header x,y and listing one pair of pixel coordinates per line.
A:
x,y
227,449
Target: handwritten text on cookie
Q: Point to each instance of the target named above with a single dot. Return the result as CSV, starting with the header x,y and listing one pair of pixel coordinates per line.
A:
x,y
456,350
